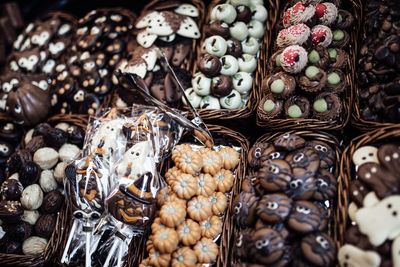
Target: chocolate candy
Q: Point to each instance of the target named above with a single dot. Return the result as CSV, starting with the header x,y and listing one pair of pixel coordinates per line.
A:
x,y
45,225
52,202
274,208
318,249
267,246
11,189
19,232
245,209
10,211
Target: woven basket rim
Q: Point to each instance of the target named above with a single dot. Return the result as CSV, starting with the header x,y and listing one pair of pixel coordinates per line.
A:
x,y
331,140
348,95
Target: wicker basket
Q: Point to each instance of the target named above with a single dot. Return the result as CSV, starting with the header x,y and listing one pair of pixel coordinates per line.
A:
x,y
355,8
255,95
54,244
334,226
222,136
378,136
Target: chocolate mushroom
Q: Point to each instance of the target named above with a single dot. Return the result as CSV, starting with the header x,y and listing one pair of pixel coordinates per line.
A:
x,y
221,86
209,65
29,104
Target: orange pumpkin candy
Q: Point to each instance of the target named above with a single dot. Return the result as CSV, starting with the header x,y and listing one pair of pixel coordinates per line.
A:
x,y
199,208
189,232
172,213
206,185
184,257
185,186
219,203
166,240
159,260
211,227
206,250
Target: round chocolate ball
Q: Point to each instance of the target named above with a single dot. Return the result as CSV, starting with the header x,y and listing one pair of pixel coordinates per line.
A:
x,y
29,173
11,189
45,225
221,86
52,202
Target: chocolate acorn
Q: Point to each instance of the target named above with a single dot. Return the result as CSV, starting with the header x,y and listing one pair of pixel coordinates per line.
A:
x,y
319,57
221,86
327,106
45,225
209,65
313,80
28,104
297,107
336,81
271,107
281,85
217,28
11,189
337,58
340,38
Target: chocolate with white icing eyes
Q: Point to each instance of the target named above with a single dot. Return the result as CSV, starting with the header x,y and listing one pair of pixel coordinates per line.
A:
x,y
289,142
305,158
274,175
274,208
319,249
305,217
244,210
267,246
326,154
326,186
258,153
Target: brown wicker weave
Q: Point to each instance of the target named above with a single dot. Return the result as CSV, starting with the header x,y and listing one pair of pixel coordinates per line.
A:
x,y
333,227
255,95
355,8
222,136
53,247
378,136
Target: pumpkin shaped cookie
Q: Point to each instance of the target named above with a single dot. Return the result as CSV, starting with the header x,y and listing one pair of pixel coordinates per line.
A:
x,y
211,227
219,203
172,174
145,263
230,158
206,185
224,179
184,257
159,260
185,186
189,162
199,208
166,240
156,225
149,243
166,195
172,214
206,250
212,162
179,149
189,232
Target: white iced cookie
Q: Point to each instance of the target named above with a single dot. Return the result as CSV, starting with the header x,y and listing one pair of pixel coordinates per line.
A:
x,y
259,12
225,12
230,65
187,10
68,152
239,30
32,197
47,181
188,28
381,221
256,29
250,46
247,63
231,101
242,82
193,98
134,162
351,256
216,45
46,157
210,102
365,154
201,84
106,137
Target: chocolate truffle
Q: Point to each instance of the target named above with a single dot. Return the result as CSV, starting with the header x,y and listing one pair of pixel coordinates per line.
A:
x,y
319,56
327,106
297,107
52,202
11,189
313,80
45,225
271,107
209,65
281,85
221,86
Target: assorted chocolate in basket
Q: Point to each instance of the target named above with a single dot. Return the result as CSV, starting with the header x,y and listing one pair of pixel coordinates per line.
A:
x,y
282,215
229,53
31,195
372,237
308,68
379,61
166,30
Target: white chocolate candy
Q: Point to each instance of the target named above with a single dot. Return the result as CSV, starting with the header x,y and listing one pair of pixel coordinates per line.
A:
x,y
46,157
370,199
256,2
247,63
201,84
259,12
242,82
381,221
396,252
231,101
144,22
32,197
239,2
187,10
62,126
59,172
194,98
216,45
239,30
225,12
150,58
134,162
30,216
365,154
351,256
47,181
250,46
189,29
256,29
146,39
140,69
68,152
210,102
352,210
28,136
14,176
230,65
159,25
107,137
34,246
